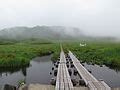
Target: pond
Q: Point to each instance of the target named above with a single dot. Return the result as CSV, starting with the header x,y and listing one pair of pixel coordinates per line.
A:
x,y
37,72
110,76
40,68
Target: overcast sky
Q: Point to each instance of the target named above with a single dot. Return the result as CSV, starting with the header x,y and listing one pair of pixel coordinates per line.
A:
x,y
96,17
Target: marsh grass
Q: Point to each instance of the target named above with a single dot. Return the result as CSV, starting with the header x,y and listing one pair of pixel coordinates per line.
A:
x,y
107,53
20,54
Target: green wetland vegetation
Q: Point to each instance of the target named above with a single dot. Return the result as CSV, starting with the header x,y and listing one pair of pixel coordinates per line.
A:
x,y
101,53
19,54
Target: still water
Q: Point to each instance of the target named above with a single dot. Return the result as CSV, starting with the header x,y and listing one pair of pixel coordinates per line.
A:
x,y
40,68
37,72
110,76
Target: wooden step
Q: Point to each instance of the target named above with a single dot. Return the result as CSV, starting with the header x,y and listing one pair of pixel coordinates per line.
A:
x,y
38,87
81,88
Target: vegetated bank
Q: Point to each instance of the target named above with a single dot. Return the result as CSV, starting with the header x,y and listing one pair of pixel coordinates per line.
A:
x,y
20,54
107,53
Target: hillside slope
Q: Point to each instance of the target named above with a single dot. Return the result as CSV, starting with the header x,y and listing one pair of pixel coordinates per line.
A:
x,y
42,32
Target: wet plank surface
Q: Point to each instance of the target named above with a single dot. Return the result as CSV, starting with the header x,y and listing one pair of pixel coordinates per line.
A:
x,y
89,79
40,87
63,81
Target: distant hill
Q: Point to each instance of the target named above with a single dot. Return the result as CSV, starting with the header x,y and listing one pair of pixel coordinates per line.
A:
x,y
41,32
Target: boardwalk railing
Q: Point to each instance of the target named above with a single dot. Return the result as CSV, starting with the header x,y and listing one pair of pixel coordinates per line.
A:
x,y
63,81
89,79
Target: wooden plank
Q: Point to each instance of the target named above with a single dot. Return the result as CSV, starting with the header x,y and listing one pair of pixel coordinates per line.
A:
x,y
98,86
81,88
89,79
61,86
115,88
40,87
63,81
91,86
57,86
106,86
83,72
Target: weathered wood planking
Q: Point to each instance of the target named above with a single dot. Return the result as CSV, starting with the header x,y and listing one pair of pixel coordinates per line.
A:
x,y
63,81
81,88
89,79
40,87
115,88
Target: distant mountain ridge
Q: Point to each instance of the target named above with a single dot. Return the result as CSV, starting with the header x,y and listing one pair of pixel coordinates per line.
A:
x,y
42,32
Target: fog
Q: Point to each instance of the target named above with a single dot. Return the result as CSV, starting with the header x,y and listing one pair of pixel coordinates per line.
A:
x,y
93,17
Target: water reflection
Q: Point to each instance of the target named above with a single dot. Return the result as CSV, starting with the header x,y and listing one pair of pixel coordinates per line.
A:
x,y
40,68
110,76
8,71
36,72
24,71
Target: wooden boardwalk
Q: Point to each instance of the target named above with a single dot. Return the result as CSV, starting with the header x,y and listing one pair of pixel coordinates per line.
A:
x,y
63,81
40,87
48,87
44,87
89,79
